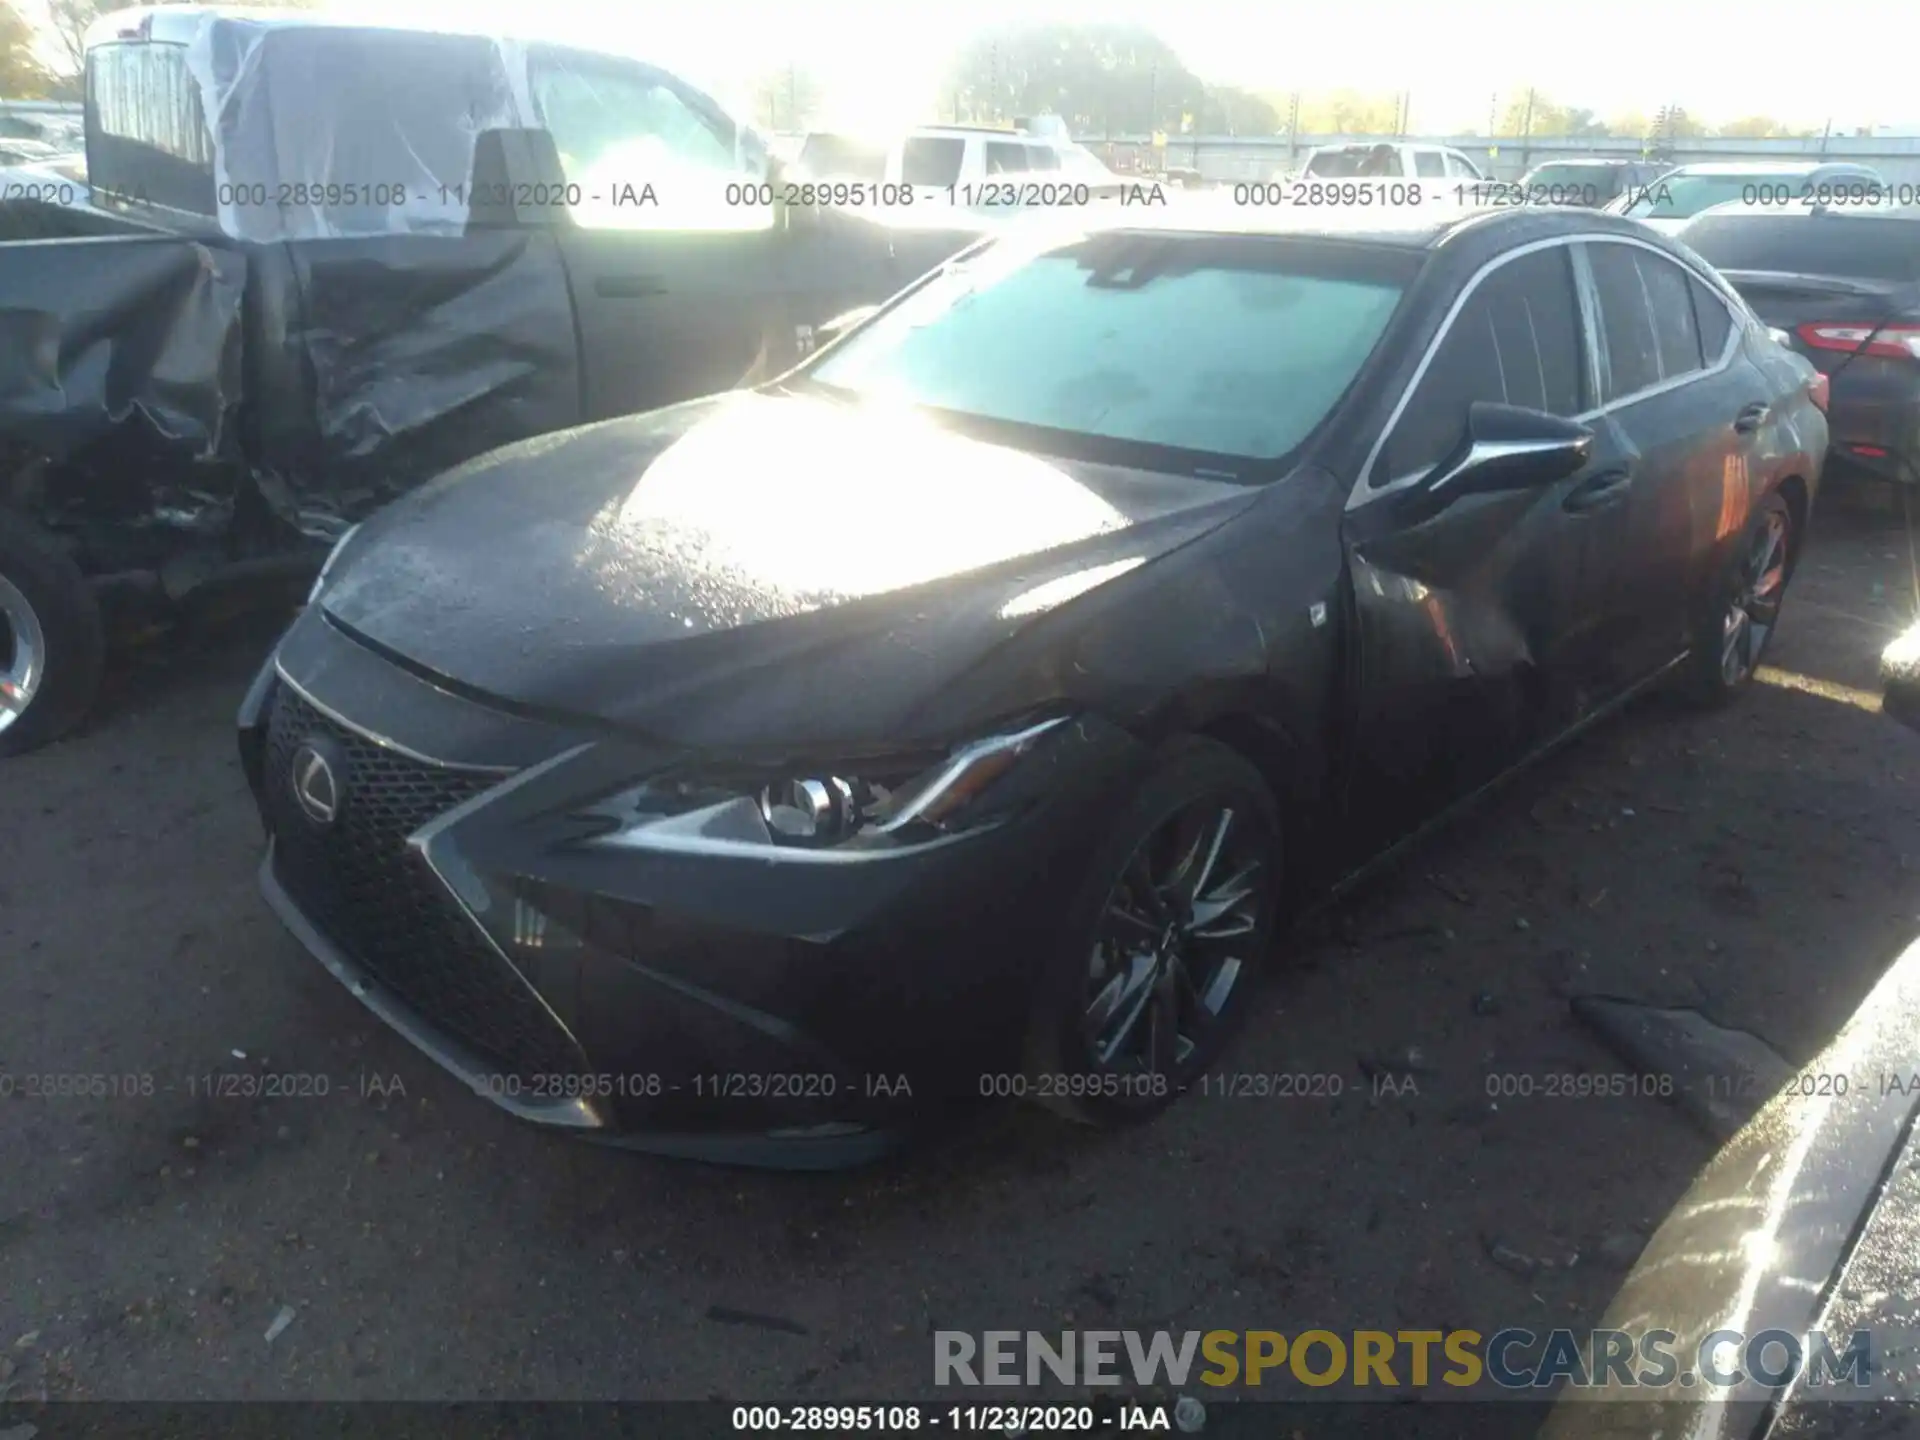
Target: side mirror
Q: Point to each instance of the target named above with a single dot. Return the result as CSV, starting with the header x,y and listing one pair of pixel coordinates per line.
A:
x,y
1508,447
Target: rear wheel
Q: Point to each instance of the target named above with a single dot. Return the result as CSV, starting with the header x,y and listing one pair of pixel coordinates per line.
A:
x,y
52,646
1173,917
1744,609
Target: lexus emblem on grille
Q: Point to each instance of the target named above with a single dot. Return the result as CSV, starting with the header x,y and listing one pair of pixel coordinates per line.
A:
x,y
316,782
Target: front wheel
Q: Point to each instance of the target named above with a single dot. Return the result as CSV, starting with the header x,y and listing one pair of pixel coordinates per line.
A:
x,y
1743,610
52,648
1171,920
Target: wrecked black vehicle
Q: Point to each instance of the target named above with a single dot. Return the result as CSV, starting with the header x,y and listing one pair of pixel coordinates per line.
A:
x,y
315,264
957,715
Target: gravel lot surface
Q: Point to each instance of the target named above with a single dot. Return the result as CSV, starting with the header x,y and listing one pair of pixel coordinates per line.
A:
x,y
1762,863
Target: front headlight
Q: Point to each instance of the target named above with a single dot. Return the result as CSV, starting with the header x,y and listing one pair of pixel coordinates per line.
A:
x,y
326,568
872,807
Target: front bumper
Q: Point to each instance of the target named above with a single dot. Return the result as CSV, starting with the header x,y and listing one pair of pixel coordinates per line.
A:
x,y
749,1011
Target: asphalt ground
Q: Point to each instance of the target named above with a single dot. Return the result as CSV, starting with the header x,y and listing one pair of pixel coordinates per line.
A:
x,y
1762,863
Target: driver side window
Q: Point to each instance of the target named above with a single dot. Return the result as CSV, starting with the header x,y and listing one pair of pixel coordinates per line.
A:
x,y
643,151
1517,341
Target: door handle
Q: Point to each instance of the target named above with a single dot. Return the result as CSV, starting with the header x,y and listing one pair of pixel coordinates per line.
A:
x,y
627,287
1597,492
1752,418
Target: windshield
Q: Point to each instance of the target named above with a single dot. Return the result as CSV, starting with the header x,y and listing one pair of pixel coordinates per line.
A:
x,y
1227,347
1860,247
1680,197
1593,183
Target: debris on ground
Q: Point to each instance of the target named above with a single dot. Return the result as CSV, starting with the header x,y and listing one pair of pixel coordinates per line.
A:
x,y
1189,1415
1620,1250
727,1315
1519,1262
280,1324
1720,1077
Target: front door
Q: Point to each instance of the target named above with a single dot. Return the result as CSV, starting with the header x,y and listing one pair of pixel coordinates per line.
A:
x,y
1480,630
674,248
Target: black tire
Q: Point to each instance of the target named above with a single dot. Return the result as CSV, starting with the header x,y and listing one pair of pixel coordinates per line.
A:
x,y
1107,942
1742,610
60,606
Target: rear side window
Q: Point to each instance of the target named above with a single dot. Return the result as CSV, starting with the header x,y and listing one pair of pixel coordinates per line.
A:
x,y
1428,162
1858,247
149,135
1458,166
1005,158
1517,341
1711,318
931,159
1042,157
1626,321
1672,306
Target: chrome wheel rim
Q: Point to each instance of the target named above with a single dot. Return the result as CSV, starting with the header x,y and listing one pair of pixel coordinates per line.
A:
x,y
23,651
1755,607
1175,940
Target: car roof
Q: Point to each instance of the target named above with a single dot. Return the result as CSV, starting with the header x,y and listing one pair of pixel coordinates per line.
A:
x,y
1811,210
1763,167
997,132
1589,160
182,24
1411,227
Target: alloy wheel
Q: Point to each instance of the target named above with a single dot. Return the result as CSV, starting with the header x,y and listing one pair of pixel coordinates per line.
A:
x,y
1175,940
23,651
1755,607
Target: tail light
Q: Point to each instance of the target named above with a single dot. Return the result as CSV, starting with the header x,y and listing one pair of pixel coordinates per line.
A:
x,y
1819,387
1895,342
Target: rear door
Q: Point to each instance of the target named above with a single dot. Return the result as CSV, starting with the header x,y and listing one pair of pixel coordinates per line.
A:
x,y
675,257
1685,412
1845,289
1479,630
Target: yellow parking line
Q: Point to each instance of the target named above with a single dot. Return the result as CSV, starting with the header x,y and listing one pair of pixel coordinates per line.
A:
x,y
1825,689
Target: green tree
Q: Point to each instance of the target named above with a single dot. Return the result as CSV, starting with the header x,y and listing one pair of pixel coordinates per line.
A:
x,y
1111,79
1238,112
22,76
788,98
1631,125
1349,112
1754,127
71,20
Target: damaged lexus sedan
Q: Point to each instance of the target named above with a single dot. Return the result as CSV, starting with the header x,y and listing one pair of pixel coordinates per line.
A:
x,y
961,715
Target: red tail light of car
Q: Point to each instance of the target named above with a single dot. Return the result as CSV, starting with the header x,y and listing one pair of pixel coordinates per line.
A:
x,y
1894,342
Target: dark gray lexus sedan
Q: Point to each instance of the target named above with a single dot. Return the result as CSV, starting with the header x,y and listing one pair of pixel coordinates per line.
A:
x,y
960,715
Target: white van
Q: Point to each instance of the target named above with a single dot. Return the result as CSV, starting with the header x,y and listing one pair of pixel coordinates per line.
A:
x,y
961,161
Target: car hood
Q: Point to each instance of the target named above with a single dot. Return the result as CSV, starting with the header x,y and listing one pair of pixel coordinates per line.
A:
x,y
634,570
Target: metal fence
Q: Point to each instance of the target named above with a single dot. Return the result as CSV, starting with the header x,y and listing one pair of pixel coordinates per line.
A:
x,y
1261,157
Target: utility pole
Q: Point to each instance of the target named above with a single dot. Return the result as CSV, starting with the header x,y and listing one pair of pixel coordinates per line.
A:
x,y
793,98
1153,101
1293,127
1526,131
1826,135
